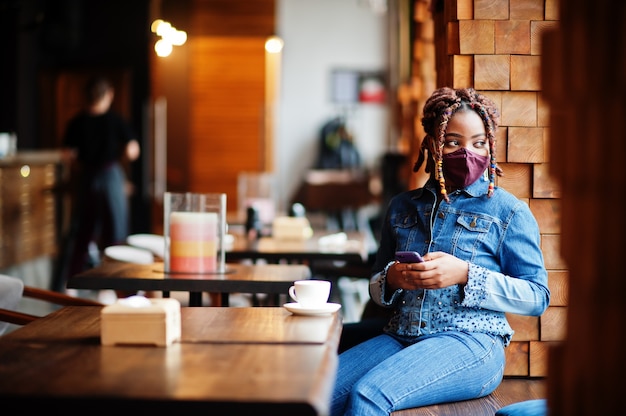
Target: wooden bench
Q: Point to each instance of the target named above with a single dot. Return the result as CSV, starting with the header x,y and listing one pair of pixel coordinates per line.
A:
x,y
512,390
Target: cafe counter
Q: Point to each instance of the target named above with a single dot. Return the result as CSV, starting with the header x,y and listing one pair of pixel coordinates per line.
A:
x,y
29,205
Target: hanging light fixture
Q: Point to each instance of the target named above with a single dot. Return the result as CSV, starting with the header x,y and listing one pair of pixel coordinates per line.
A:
x,y
163,48
274,44
170,37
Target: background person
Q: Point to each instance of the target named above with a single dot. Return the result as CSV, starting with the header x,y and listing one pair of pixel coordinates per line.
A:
x,y
481,245
102,142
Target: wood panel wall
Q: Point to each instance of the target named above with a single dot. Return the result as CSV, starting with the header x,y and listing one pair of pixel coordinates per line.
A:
x,y
495,47
215,91
227,112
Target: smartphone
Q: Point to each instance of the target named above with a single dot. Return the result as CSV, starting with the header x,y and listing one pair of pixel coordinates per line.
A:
x,y
408,257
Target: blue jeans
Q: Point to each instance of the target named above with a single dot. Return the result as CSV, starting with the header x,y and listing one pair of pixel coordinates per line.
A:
x,y
101,214
385,374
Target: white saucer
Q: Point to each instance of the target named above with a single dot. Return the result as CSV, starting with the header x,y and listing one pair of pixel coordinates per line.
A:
x,y
326,309
153,242
128,254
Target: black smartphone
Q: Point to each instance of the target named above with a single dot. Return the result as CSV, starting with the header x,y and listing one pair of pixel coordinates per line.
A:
x,y
409,257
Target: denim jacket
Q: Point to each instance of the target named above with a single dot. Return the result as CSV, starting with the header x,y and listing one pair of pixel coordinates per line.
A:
x,y
497,236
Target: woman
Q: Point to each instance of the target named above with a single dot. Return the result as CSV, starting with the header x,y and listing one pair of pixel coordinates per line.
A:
x,y
445,340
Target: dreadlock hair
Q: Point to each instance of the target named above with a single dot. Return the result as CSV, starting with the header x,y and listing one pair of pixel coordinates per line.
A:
x,y
438,110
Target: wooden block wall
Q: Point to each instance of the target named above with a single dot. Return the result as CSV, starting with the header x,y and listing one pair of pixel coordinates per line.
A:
x,y
423,79
495,47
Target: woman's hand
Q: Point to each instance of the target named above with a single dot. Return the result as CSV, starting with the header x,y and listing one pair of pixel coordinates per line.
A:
x,y
438,270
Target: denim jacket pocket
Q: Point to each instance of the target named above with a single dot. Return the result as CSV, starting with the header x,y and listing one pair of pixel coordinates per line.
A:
x,y
406,227
404,220
475,223
471,232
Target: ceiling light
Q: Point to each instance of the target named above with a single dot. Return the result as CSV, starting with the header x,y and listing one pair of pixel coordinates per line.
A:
x,y
163,48
169,36
274,44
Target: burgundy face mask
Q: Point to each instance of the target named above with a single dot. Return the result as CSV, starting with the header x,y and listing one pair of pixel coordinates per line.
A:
x,y
462,167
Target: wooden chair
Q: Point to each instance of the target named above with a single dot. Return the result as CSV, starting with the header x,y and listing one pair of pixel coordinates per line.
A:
x,y
13,289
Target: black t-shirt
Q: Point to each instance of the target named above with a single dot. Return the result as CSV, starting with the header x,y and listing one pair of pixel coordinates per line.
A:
x,y
98,139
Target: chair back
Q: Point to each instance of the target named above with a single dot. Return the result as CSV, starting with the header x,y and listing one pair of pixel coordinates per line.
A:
x,y
11,289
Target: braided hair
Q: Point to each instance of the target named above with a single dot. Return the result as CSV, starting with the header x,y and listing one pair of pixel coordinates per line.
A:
x,y
438,110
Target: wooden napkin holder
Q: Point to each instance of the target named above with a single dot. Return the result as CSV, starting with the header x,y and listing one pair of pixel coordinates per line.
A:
x,y
291,228
155,323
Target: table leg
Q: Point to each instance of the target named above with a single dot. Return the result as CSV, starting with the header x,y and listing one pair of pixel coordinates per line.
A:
x,y
195,298
225,299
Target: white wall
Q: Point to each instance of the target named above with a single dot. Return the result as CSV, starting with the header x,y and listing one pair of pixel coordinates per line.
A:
x,y
319,36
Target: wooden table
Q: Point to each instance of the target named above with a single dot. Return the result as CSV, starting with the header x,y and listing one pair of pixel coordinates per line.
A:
x,y
338,259
230,361
356,249
238,278
326,261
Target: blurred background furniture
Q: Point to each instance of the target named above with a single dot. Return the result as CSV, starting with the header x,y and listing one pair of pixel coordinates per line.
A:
x,y
31,206
272,279
13,290
339,194
257,190
330,256
154,243
10,294
27,207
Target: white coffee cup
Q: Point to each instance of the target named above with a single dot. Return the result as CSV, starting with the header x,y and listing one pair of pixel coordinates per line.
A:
x,y
310,293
